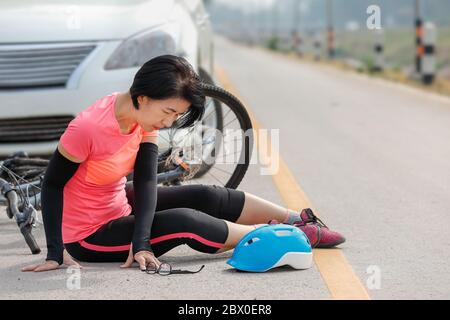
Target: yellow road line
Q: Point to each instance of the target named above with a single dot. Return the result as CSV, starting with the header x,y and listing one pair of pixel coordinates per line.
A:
x,y
337,273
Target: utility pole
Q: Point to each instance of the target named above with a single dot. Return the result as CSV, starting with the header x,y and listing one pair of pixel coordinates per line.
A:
x,y
429,53
419,37
330,29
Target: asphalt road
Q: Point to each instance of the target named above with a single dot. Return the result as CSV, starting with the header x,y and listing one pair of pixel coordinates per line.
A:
x,y
371,156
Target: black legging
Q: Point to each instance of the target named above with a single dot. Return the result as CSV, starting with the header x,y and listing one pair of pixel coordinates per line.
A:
x,y
188,214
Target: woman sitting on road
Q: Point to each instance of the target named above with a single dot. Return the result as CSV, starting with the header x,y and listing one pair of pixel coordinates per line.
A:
x,y
92,214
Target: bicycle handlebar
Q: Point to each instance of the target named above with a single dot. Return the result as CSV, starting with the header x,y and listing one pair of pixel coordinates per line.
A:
x,y
25,219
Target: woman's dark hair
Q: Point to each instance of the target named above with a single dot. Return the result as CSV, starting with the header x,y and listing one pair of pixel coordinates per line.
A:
x,y
166,77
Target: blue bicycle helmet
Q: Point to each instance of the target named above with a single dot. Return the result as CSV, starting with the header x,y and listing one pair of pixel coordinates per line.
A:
x,y
272,246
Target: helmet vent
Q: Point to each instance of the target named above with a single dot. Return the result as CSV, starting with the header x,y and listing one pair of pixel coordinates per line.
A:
x,y
249,242
283,233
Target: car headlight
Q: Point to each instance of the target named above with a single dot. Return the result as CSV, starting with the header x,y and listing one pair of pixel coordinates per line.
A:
x,y
140,48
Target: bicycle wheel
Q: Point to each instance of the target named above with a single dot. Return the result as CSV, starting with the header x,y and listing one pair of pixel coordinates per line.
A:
x,y
220,154
218,117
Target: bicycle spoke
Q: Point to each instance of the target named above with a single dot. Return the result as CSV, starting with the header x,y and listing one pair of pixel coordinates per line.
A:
x,y
230,122
215,168
228,134
212,112
209,173
225,115
230,154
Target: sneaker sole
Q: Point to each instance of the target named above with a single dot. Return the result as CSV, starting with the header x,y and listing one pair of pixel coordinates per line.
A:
x,y
330,245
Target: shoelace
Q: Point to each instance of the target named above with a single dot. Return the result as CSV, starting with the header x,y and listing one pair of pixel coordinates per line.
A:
x,y
312,219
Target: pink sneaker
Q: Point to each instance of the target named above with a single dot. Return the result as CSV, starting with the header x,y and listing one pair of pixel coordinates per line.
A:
x,y
317,232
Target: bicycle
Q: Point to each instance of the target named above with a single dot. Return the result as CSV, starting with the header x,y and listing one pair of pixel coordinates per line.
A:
x,y
21,176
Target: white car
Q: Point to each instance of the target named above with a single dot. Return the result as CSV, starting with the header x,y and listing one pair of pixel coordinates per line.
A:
x,y
58,57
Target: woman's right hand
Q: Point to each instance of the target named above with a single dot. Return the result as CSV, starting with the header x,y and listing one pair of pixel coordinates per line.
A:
x,y
53,265
44,266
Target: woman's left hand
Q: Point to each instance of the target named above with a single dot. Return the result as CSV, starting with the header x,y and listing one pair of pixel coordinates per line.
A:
x,y
141,257
144,258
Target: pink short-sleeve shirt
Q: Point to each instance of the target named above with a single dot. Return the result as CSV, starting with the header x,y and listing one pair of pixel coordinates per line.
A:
x,y
96,194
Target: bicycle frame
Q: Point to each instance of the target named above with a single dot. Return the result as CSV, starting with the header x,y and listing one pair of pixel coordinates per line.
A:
x,y
24,210
163,176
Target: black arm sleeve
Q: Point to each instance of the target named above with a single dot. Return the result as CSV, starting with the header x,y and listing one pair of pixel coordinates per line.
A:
x,y
144,184
59,172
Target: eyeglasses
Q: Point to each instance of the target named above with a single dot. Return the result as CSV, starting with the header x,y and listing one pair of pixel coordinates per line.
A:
x,y
165,269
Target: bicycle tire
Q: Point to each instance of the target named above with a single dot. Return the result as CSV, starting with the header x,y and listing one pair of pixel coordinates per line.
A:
x,y
207,79
246,125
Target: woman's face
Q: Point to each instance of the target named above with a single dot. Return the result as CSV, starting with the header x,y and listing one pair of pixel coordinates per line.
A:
x,y
158,114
